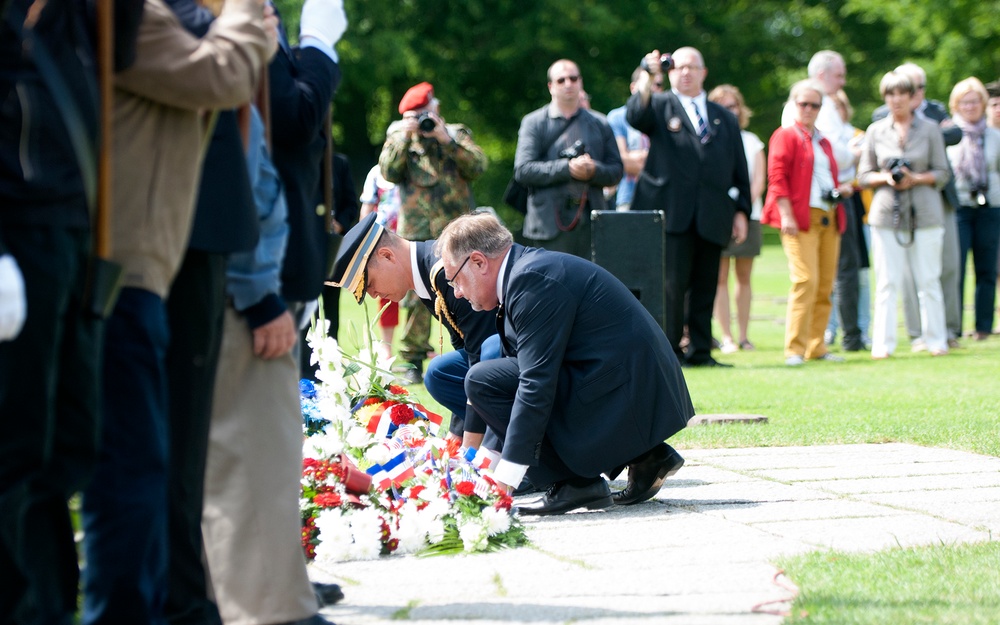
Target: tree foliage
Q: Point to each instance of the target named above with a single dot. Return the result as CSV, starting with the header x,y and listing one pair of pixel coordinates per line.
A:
x,y
487,58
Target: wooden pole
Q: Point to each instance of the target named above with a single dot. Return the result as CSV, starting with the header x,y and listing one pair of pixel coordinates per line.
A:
x,y
105,175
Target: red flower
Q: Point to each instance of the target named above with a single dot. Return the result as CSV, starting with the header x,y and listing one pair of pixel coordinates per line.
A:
x,y
328,500
416,490
371,400
401,414
395,389
465,488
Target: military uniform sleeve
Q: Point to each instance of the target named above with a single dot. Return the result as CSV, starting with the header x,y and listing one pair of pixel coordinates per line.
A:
x,y
392,160
469,157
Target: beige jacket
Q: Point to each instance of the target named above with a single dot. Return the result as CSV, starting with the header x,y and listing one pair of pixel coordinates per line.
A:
x,y
159,131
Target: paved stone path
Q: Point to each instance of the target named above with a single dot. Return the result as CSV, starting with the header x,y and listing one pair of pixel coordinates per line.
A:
x,y
702,552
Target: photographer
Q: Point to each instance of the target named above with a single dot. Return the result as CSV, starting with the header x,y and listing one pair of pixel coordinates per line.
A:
x,y
804,201
904,161
433,165
566,155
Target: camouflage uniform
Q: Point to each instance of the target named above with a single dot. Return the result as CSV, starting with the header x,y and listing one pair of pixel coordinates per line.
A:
x,y
433,182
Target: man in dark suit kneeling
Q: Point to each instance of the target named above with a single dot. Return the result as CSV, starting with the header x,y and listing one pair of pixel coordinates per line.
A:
x,y
588,383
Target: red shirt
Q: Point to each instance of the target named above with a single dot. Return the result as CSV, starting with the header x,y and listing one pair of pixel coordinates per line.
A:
x,y
789,174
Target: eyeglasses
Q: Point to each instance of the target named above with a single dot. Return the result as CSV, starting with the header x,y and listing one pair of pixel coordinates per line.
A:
x,y
810,105
451,282
563,80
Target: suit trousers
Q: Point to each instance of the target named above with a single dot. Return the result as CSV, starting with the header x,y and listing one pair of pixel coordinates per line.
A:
x,y
125,506
195,308
48,415
979,232
251,522
691,273
445,382
950,287
491,386
846,284
812,266
924,259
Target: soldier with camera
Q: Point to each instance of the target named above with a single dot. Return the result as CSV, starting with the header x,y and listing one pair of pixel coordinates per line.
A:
x,y
566,155
433,165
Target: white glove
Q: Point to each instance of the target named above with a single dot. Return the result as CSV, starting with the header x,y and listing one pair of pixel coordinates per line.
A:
x,y
13,308
323,19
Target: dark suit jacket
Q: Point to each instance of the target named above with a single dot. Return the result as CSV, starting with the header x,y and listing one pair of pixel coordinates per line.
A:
x,y
952,135
687,180
476,326
302,82
597,376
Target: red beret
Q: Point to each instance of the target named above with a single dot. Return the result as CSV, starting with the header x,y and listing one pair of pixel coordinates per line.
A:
x,y
417,96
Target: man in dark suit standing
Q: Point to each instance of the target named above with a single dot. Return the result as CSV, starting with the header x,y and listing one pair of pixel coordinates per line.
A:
x,y
950,254
695,157
588,383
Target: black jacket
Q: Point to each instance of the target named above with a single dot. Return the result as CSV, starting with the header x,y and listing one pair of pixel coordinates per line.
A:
x,y
302,82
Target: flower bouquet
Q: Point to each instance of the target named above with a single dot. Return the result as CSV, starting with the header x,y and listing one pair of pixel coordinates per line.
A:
x,y
377,479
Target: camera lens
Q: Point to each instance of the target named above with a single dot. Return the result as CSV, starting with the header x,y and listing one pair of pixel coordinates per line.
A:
x,y
425,122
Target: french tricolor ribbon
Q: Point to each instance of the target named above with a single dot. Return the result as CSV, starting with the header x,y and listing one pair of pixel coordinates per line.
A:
x,y
427,415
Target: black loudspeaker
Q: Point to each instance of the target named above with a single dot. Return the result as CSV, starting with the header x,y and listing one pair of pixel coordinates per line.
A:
x,y
629,244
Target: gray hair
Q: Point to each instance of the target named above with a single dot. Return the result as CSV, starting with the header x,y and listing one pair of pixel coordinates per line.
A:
x,y
896,82
913,71
822,61
476,232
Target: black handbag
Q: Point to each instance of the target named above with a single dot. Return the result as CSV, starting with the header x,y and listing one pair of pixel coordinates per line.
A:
x,y
516,194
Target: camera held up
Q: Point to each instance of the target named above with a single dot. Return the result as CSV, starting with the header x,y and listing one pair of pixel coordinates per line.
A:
x,y
577,149
666,63
832,196
425,122
896,167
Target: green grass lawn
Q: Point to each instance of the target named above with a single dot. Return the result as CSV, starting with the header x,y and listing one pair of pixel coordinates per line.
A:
x,y
952,401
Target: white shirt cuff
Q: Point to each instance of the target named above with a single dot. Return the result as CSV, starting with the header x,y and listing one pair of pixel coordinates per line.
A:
x,y
510,473
309,41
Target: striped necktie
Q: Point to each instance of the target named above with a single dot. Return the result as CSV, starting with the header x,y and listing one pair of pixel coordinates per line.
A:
x,y
702,126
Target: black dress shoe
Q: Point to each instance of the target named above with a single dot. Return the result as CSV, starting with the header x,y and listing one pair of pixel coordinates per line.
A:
x,y
327,594
646,474
711,362
562,497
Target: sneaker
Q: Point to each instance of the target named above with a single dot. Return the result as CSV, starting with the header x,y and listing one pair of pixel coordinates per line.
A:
x,y
918,345
831,357
728,347
794,361
829,337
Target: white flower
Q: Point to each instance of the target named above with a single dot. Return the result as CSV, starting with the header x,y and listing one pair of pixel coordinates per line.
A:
x,y
334,537
435,530
496,521
473,534
412,532
322,446
379,454
358,438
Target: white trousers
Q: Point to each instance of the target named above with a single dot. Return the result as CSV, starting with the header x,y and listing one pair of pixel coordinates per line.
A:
x,y
251,523
890,260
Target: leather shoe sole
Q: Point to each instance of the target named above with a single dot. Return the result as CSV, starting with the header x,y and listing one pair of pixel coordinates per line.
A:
x,y
562,498
646,477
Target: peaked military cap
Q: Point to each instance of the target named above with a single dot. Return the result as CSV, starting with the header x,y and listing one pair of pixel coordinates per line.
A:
x,y
350,269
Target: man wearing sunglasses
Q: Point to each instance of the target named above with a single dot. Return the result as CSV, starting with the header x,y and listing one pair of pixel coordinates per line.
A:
x,y
565,155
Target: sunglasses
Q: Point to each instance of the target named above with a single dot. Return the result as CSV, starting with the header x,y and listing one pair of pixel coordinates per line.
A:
x,y
563,80
809,105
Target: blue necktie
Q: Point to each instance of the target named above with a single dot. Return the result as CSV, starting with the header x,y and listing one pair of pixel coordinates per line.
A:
x,y
702,126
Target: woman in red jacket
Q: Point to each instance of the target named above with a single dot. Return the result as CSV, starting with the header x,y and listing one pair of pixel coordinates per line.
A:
x,y
803,201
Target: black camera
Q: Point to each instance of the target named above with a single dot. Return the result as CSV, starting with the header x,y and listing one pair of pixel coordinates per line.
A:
x,y
832,196
666,63
577,149
896,166
978,196
425,122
